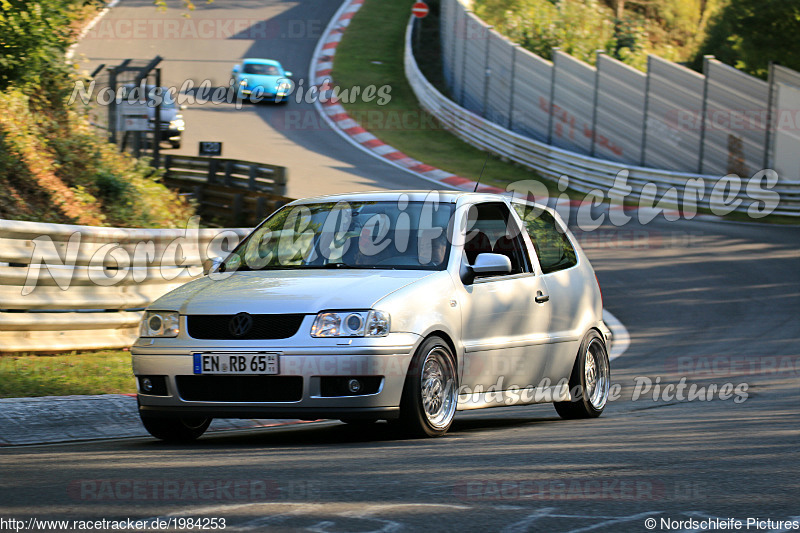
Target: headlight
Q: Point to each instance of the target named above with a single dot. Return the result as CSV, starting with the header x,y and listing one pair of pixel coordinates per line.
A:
x,y
177,124
160,324
351,324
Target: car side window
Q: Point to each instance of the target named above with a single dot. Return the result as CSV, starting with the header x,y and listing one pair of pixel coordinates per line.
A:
x,y
552,246
492,229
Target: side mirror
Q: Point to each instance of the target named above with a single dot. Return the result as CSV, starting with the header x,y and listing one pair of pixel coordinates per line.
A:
x,y
211,265
236,69
287,73
492,264
485,265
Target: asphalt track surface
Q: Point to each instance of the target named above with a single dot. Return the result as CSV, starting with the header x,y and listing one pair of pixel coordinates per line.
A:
x,y
712,302
215,38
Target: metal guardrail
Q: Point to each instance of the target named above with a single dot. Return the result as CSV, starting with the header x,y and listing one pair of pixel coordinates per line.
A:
x,y
237,193
91,283
65,287
586,173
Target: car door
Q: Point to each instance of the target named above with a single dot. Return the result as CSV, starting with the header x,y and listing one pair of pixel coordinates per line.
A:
x,y
565,284
505,329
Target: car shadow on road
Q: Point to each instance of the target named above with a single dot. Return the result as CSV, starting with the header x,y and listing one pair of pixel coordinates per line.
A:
x,y
336,433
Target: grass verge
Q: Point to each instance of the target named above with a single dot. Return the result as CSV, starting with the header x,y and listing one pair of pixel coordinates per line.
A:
x,y
101,372
371,53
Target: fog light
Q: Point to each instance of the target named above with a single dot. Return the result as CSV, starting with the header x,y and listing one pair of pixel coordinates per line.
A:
x,y
354,386
147,385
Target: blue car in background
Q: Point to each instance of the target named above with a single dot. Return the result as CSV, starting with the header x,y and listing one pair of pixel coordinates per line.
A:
x,y
262,79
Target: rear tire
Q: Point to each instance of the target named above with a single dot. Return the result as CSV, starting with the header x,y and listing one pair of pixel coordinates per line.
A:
x,y
591,377
175,429
430,394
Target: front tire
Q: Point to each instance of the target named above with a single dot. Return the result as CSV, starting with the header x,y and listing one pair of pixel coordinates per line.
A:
x,y
430,394
175,429
589,382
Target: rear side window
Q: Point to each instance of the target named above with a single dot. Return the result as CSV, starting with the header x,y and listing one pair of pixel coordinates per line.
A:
x,y
552,246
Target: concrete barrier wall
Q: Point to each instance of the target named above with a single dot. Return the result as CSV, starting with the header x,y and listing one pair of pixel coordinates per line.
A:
x,y
669,118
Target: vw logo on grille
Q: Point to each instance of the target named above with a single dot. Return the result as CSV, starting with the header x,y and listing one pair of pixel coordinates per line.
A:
x,y
240,324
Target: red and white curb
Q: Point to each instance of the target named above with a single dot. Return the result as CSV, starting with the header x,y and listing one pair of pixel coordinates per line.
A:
x,y
337,118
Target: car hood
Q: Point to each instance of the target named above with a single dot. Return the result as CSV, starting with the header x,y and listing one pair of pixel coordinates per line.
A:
x,y
261,80
287,291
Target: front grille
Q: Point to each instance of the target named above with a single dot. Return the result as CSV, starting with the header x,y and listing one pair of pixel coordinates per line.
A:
x,y
240,388
218,327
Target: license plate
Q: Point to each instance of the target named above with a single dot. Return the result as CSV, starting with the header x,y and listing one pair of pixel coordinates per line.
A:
x,y
236,363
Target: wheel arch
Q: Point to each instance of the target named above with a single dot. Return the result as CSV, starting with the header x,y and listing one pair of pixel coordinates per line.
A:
x,y
446,338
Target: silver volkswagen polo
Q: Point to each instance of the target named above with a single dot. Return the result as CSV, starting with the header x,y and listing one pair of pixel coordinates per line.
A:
x,y
398,306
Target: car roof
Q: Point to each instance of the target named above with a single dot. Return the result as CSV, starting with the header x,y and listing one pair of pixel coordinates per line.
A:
x,y
422,195
259,61
384,196
412,196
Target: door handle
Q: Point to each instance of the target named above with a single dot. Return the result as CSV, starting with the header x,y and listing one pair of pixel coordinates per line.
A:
x,y
541,298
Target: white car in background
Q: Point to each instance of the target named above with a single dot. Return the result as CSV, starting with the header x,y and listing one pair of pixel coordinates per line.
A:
x,y
401,306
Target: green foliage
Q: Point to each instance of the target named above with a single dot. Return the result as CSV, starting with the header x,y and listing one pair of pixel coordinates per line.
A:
x,y
674,28
668,28
54,168
748,34
578,27
33,37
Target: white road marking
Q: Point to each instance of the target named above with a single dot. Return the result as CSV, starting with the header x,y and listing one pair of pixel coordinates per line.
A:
x,y
612,521
88,27
525,523
620,340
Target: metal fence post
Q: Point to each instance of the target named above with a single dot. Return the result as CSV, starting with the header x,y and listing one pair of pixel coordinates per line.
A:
x,y
112,106
552,97
487,71
464,59
770,98
511,87
595,99
251,178
157,128
706,72
646,106
453,9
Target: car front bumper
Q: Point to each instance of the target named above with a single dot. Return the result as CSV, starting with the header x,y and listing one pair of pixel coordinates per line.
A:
x,y
262,95
384,360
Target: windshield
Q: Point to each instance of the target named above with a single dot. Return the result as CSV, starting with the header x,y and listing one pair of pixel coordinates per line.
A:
x,y
261,70
357,235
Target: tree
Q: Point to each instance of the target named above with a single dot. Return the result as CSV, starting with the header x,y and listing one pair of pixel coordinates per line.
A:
x,y
748,34
33,35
